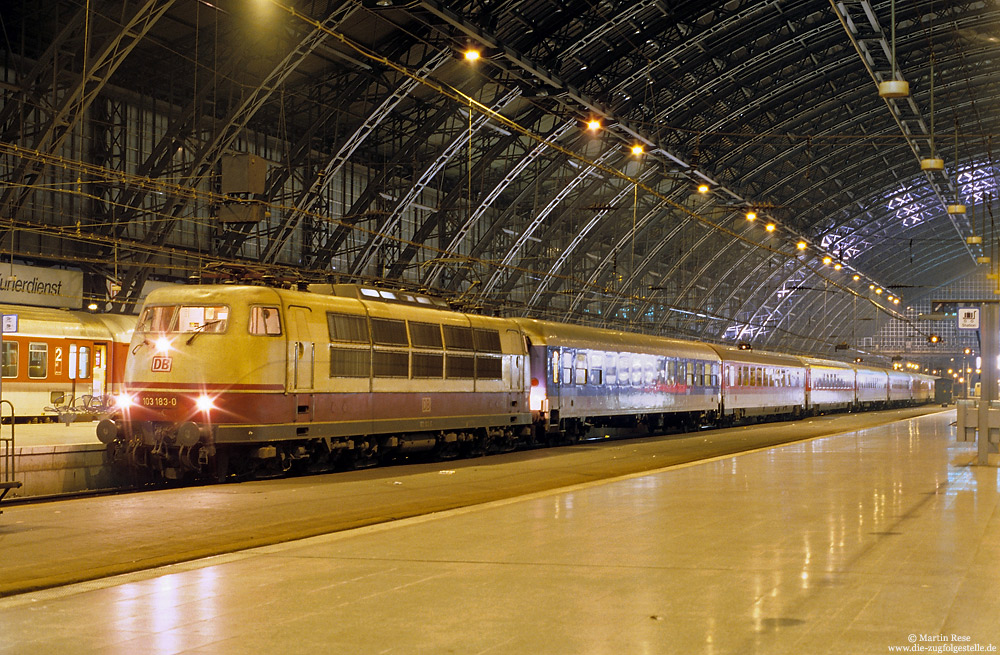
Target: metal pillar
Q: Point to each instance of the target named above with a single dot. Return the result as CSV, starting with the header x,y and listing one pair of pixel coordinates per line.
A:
x,y
989,333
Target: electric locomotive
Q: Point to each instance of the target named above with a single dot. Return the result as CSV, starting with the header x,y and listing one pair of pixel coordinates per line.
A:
x,y
255,380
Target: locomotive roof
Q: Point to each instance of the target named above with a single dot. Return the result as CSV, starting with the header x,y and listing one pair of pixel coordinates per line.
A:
x,y
578,336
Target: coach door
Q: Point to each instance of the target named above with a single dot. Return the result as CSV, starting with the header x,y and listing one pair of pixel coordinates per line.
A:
x,y
302,355
100,378
78,369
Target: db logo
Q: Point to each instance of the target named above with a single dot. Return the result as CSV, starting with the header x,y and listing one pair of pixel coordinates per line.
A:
x,y
161,364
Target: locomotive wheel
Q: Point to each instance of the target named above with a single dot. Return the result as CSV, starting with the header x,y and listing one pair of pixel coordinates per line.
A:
x,y
364,455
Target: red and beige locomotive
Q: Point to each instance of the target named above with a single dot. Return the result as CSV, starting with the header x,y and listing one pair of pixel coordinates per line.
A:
x,y
227,379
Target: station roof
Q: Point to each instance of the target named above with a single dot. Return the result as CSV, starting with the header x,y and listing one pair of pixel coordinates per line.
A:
x,y
388,156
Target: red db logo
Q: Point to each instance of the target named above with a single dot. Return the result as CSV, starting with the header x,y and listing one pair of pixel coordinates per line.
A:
x,y
161,365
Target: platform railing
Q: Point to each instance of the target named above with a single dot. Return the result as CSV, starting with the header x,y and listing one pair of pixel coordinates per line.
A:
x,y
8,461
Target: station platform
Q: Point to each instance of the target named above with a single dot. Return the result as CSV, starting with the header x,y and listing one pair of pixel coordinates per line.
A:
x,y
58,458
883,539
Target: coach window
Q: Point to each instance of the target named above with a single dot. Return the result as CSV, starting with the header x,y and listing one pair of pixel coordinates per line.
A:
x,y
9,364
84,371
611,370
596,368
38,360
265,320
555,366
581,368
567,366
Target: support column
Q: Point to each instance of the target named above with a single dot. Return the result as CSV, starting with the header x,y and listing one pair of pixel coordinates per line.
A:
x,y
989,332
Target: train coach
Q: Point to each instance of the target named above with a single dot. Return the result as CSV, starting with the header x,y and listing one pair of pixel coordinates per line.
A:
x,y
584,377
253,381
57,358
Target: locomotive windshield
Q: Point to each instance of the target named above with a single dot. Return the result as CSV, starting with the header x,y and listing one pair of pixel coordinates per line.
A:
x,y
184,318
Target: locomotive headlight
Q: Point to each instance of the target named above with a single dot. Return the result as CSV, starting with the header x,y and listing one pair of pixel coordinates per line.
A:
x,y
204,403
124,401
163,345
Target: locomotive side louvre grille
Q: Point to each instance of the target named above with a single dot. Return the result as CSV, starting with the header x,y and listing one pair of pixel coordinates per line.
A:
x,y
347,327
489,368
428,365
461,366
350,363
389,332
458,338
425,335
487,341
390,364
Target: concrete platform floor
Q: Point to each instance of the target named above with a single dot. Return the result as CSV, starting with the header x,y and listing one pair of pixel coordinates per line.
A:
x,y
29,435
871,541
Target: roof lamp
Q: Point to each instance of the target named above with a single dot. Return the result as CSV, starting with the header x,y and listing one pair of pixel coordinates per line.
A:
x,y
471,55
856,277
827,260
770,227
702,188
837,266
751,216
878,292
637,149
593,125
801,245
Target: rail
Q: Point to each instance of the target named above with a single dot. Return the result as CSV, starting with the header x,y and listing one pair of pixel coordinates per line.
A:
x,y
8,467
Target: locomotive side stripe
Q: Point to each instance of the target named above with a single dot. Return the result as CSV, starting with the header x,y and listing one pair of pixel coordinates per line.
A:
x,y
197,386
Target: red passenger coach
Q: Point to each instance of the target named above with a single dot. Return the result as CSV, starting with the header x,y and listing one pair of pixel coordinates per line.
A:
x,y
59,358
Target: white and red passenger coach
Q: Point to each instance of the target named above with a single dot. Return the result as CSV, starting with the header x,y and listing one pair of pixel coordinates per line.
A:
x,y
61,359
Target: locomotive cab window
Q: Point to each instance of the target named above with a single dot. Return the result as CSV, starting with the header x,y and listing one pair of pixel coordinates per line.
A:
x,y
208,319
157,319
265,320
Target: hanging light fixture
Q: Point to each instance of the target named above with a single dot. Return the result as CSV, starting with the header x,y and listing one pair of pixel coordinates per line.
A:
x,y
893,87
932,163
